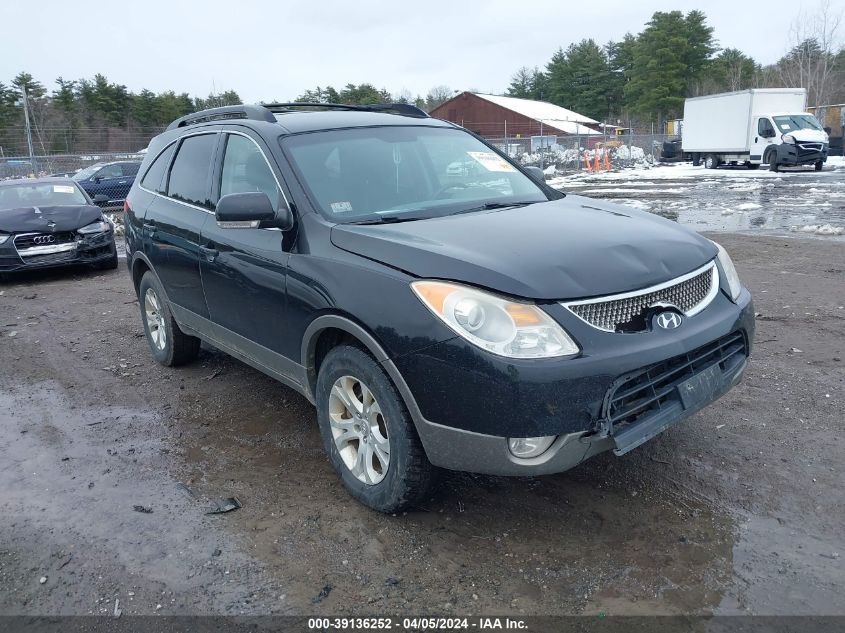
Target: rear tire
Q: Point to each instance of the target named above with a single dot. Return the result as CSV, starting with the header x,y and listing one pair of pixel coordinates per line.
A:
x,y
169,345
711,161
696,159
752,165
362,418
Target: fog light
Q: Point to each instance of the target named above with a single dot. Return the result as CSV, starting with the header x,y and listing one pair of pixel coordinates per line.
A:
x,y
530,446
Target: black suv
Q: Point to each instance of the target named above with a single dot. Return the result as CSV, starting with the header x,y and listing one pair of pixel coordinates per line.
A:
x,y
470,319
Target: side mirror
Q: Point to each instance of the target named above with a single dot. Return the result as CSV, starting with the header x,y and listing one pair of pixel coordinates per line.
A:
x,y
251,211
101,198
536,174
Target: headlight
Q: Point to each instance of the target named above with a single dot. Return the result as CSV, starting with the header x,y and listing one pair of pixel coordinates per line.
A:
x,y
100,226
526,447
507,328
788,138
3,238
730,272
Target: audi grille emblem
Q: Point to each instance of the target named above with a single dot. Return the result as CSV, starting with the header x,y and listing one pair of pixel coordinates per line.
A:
x,y
44,239
669,320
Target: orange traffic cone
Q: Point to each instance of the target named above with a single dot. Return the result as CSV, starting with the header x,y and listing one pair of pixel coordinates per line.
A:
x,y
587,161
606,161
596,166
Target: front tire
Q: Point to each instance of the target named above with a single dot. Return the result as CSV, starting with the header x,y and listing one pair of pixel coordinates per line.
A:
x,y
169,345
368,434
818,165
109,264
772,160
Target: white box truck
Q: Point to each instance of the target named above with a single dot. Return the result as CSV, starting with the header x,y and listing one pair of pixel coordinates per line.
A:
x,y
767,126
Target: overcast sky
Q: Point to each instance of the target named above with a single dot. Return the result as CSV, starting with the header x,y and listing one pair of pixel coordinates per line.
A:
x,y
275,50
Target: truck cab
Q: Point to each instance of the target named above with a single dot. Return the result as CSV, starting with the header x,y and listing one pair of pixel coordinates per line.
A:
x,y
788,139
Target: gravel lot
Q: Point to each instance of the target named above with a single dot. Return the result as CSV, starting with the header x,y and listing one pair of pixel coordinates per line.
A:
x,y
737,510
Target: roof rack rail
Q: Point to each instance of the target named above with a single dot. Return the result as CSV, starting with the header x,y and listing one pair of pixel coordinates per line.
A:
x,y
405,109
255,112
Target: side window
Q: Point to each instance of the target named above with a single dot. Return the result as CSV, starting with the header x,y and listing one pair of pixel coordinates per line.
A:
x,y
246,170
188,179
110,171
154,178
764,128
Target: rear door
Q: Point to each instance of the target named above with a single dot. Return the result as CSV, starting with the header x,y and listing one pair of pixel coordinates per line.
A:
x,y
244,270
175,219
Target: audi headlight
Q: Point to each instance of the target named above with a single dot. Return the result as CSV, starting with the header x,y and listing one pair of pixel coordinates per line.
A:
x,y
730,271
501,326
3,238
100,226
788,138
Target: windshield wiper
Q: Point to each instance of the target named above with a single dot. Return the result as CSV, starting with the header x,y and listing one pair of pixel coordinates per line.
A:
x,y
392,219
490,206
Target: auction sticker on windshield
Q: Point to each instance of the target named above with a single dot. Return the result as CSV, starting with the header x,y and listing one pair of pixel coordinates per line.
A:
x,y
63,189
491,162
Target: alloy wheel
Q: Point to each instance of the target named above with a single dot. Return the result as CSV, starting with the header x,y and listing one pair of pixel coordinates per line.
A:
x,y
155,320
359,430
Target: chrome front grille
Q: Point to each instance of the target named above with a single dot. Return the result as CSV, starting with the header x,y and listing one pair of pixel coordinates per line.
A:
x,y
627,312
30,245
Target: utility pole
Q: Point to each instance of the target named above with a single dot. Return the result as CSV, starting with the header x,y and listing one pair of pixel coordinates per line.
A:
x,y
28,132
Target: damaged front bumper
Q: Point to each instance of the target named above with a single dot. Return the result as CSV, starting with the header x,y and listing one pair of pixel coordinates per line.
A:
x,y
30,251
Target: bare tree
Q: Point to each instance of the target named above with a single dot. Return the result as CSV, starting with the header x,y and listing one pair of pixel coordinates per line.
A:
x,y
811,60
438,95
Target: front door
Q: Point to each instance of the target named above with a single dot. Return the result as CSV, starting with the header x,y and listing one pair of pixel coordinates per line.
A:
x,y
244,270
175,219
763,135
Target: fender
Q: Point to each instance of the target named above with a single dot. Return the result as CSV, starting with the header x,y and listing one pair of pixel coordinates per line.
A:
x,y
309,344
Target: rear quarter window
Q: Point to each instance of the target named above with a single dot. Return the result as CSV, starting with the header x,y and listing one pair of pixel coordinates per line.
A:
x,y
154,178
188,181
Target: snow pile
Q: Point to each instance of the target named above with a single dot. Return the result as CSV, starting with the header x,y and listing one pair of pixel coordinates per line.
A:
x,y
116,221
628,152
820,229
745,206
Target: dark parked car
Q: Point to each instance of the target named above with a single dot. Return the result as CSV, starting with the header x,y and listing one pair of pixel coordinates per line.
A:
x,y
436,318
108,183
47,222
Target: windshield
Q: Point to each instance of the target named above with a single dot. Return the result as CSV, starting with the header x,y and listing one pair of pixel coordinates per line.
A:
x,y
792,122
376,174
87,172
49,194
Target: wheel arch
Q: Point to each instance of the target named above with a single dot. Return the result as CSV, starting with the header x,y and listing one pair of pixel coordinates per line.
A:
x,y
329,330
140,265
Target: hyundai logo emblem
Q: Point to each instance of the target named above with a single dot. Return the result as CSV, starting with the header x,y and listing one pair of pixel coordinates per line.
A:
x,y
44,239
669,320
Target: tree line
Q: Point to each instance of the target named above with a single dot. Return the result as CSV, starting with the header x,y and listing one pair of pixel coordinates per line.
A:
x,y
646,77
77,115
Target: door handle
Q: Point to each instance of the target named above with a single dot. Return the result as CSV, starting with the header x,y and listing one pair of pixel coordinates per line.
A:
x,y
148,228
209,253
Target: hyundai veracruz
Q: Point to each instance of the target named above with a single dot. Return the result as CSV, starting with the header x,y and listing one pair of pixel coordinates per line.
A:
x,y
470,319
50,222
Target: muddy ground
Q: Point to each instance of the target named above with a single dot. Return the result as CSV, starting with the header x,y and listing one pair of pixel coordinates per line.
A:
x,y
740,509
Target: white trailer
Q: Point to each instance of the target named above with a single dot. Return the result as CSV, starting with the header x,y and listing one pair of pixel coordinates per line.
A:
x,y
752,127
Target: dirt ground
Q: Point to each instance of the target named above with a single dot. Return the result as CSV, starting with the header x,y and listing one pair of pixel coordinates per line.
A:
x,y
740,509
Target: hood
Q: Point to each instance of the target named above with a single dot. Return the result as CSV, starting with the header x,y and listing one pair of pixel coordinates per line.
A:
x,y
48,219
809,136
563,249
